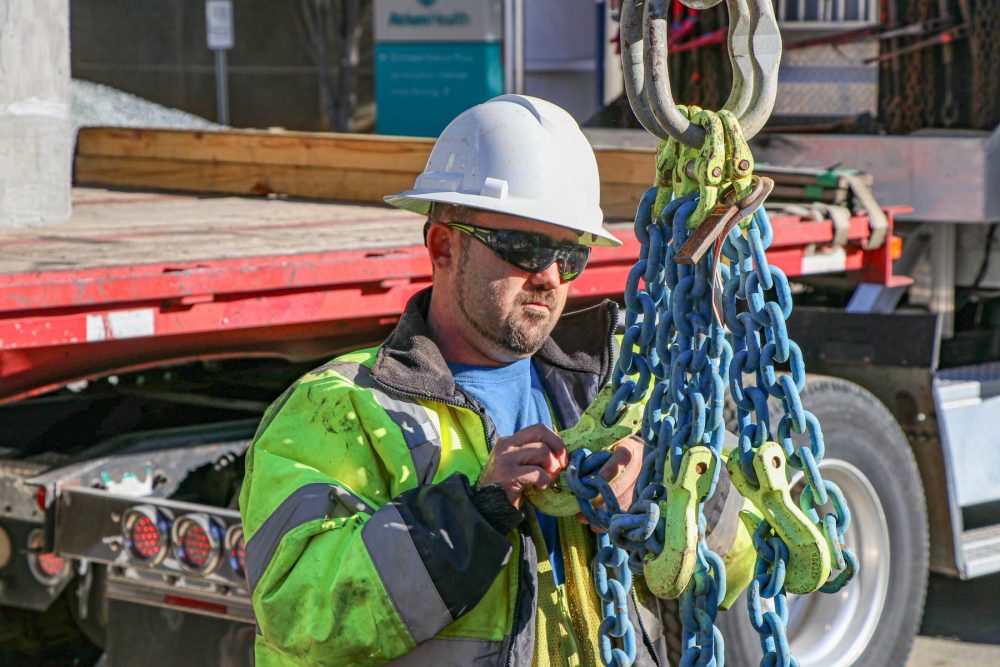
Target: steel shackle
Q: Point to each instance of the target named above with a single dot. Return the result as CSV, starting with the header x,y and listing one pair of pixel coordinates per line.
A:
x,y
754,52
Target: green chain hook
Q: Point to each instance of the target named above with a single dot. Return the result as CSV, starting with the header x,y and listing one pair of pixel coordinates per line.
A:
x,y
808,552
591,433
668,574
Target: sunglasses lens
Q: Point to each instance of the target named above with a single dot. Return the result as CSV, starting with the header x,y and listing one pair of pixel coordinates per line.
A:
x,y
573,261
523,250
533,262
535,253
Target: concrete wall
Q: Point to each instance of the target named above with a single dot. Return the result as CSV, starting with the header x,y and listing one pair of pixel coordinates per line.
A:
x,y
35,141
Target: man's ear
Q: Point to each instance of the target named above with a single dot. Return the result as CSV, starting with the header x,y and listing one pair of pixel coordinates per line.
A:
x,y
440,246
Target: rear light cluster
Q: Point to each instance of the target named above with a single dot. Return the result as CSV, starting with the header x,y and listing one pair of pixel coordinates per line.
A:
x,y
198,541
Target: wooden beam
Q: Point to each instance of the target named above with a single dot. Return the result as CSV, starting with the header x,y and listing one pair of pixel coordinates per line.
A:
x,y
347,167
294,149
239,178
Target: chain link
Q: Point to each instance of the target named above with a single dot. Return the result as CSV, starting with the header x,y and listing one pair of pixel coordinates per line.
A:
x,y
918,74
760,340
612,578
613,582
989,18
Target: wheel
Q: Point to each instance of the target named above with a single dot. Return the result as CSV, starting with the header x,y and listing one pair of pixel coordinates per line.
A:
x,y
873,620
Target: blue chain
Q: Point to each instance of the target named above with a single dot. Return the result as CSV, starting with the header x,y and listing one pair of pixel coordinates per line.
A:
x,y
760,339
612,578
672,341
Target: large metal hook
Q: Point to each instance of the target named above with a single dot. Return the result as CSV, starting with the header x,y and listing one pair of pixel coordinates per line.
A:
x,y
633,67
765,51
754,52
656,80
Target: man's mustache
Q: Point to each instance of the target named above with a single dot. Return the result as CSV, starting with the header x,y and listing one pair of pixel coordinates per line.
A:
x,y
541,295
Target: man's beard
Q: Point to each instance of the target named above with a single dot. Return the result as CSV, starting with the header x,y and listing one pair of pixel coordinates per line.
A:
x,y
514,336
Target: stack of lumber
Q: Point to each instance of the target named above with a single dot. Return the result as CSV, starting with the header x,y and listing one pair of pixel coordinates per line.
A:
x,y
344,167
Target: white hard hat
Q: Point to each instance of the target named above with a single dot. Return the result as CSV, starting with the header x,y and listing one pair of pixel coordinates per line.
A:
x,y
517,155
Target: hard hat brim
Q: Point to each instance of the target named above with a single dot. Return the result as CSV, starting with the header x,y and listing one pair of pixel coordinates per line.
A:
x,y
420,201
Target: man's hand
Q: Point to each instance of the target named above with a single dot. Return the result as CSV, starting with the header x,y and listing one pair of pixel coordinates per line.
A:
x,y
531,457
622,471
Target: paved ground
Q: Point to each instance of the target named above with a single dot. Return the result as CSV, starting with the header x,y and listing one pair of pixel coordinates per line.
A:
x,y
934,652
961,625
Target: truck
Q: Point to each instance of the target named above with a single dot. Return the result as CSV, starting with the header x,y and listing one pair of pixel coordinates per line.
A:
x,y
203,271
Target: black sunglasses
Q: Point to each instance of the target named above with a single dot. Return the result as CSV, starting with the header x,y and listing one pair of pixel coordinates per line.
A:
x,y
529,251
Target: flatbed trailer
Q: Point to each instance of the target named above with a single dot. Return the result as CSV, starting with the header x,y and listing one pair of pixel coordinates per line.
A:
x,y
142,285
139,278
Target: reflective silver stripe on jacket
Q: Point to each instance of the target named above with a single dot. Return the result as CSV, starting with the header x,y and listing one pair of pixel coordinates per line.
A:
x,y
521,638
463,652
421,433
404,574
452,652
307,503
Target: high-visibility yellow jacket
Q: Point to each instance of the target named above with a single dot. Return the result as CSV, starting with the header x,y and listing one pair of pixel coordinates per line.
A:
x,y
368,541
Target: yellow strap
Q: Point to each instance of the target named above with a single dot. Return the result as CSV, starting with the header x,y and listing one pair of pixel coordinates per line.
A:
x,y
555,644
568,617
584,606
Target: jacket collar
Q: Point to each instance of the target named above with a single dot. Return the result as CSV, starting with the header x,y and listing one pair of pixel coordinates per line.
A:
x,y
578,352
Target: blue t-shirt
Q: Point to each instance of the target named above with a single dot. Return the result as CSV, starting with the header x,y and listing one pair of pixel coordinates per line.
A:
x,y
514,399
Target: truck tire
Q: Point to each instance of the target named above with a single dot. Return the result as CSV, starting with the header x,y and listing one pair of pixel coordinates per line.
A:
x,y
872,622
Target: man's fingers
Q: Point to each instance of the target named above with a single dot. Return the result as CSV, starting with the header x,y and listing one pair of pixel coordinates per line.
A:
x,y
619,460
622,469
556,446
534,476
538,453
543,434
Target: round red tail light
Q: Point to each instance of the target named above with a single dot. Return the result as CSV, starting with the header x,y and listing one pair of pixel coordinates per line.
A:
x,y
146,530
195,546
51,565
198,542
235,548
47,567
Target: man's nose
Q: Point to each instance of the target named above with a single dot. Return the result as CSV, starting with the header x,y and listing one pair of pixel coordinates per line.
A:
x,y
549,278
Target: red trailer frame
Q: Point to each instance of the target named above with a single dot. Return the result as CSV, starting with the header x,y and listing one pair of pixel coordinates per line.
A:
x,y
61,326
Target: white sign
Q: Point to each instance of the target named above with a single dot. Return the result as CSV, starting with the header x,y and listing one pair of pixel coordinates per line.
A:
x,y
121,324
219,24
438,20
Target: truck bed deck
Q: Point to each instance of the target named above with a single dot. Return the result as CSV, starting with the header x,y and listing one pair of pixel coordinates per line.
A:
x,y
110,228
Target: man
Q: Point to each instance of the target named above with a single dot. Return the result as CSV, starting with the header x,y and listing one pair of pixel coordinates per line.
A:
x,y
384,494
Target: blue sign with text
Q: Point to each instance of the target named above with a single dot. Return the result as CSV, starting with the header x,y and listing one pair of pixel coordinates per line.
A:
x,y
433,60
419,88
